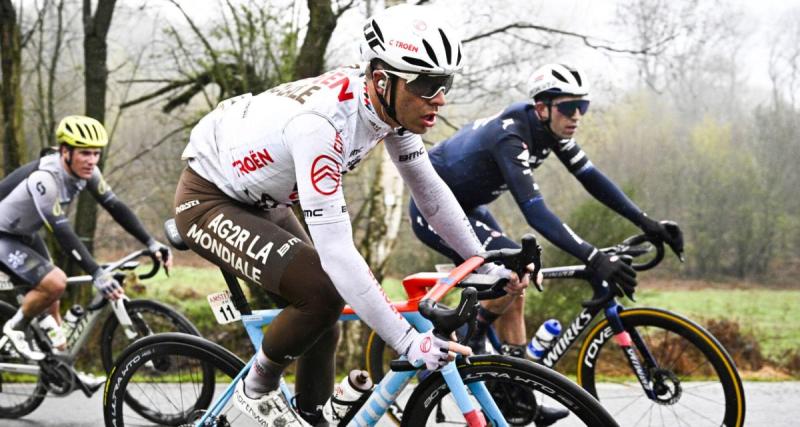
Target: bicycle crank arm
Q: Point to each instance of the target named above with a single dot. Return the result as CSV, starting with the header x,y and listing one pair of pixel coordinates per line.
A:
x,y
19,368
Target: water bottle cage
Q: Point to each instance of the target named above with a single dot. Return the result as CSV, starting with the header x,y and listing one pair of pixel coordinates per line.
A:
x,y
352,406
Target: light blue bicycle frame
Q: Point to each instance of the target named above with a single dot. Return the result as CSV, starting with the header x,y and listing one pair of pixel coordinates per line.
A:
x,y
384,393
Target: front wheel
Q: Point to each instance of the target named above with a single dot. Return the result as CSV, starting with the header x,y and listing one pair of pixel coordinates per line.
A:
x,y
148,318
173,394
694,379
519,387
20,393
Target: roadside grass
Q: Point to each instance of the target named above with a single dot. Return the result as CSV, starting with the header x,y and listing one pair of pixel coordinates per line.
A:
x,y
769,315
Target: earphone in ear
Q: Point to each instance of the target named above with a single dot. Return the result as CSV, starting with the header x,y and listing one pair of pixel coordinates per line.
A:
x,y
382,83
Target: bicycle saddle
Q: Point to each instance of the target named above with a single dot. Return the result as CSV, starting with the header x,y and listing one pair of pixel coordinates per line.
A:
x,y
173,237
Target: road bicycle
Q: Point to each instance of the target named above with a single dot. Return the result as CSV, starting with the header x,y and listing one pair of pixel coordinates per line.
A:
x,y
24,384
458,393
664,370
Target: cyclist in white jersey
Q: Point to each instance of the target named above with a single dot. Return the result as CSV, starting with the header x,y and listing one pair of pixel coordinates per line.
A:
x,y
253,157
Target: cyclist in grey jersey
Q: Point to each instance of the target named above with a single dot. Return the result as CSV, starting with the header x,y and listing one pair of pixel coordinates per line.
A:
x,y
38,194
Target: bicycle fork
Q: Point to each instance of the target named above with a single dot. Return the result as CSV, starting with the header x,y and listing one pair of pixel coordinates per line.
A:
x,y
629,341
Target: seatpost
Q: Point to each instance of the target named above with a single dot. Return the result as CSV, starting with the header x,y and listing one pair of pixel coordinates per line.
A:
x,y
237,296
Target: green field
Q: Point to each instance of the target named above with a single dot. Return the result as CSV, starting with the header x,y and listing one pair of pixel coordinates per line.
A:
x,y
770,315
767,314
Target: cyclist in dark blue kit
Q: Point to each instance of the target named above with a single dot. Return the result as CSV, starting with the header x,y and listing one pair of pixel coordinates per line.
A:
x,y
498,153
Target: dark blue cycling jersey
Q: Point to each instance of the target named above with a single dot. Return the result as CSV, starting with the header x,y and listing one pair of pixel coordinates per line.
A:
x,y
499,153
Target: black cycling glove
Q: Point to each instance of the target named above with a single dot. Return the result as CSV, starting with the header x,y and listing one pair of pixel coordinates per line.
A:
x,y
664,231
614,270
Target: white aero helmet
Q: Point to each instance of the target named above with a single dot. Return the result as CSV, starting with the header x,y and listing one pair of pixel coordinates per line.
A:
x,y
553,80
412,39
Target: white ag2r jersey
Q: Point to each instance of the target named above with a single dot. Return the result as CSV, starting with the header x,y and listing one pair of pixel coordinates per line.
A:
x,y
265,150
292,144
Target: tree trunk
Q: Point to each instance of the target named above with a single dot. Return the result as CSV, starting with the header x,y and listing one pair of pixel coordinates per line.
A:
x,y
95,52
13,152
322,21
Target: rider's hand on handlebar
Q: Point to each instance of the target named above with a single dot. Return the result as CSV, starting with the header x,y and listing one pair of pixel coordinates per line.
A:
x,y
664,231
107,285
162,253
515,285
613,269
433,351
493,269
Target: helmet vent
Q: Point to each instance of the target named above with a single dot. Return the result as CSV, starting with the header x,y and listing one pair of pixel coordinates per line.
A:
x,y
447,49
417,62
558,75
431,53
577,77
80,130
377,30
458,58
373,36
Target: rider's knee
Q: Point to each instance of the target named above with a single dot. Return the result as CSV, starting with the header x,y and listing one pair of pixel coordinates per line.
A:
x,y
54,283
330,302
330,338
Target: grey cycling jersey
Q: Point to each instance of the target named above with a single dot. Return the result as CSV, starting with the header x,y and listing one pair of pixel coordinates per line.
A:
x,y
39,194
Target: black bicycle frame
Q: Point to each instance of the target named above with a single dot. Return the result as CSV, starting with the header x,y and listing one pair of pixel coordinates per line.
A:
x,y
625,338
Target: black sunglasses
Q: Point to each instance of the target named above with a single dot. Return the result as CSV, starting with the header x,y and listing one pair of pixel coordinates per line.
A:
x,y
425,85
568,108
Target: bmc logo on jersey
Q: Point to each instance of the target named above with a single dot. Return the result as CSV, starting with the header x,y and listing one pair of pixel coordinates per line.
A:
x,y
325,175
413,155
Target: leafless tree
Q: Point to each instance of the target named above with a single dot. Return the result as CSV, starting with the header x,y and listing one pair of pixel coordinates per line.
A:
x,y
96,24
11,44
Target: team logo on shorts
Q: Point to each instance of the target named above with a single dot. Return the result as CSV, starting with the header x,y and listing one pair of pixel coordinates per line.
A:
x,y
16,259
325,175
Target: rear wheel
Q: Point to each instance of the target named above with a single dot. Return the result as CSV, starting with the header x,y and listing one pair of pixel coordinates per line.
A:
x,y
20,394
695,380
148,318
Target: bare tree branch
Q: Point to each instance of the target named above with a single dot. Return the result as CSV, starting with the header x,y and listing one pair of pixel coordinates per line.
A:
x,y
52,70
150,148
39,18
587,40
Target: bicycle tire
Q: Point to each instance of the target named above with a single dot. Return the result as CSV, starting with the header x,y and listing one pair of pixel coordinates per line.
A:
x,y
30,396
113,340
131,375
691,353
375,358
550,388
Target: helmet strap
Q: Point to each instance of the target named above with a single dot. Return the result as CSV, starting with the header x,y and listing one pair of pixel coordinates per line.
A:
x,y
546,122
389,107
68,161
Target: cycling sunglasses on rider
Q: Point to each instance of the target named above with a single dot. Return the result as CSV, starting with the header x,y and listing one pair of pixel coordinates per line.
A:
x,y
426,86
568,108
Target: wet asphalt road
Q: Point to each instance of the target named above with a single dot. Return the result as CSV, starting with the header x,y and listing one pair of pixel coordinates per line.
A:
x,y
772,404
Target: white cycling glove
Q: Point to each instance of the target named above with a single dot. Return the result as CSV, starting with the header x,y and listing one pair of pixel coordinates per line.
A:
x,y
105,282
427,348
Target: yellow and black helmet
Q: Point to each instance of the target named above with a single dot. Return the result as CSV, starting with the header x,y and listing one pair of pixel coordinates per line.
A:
x,y
81,132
